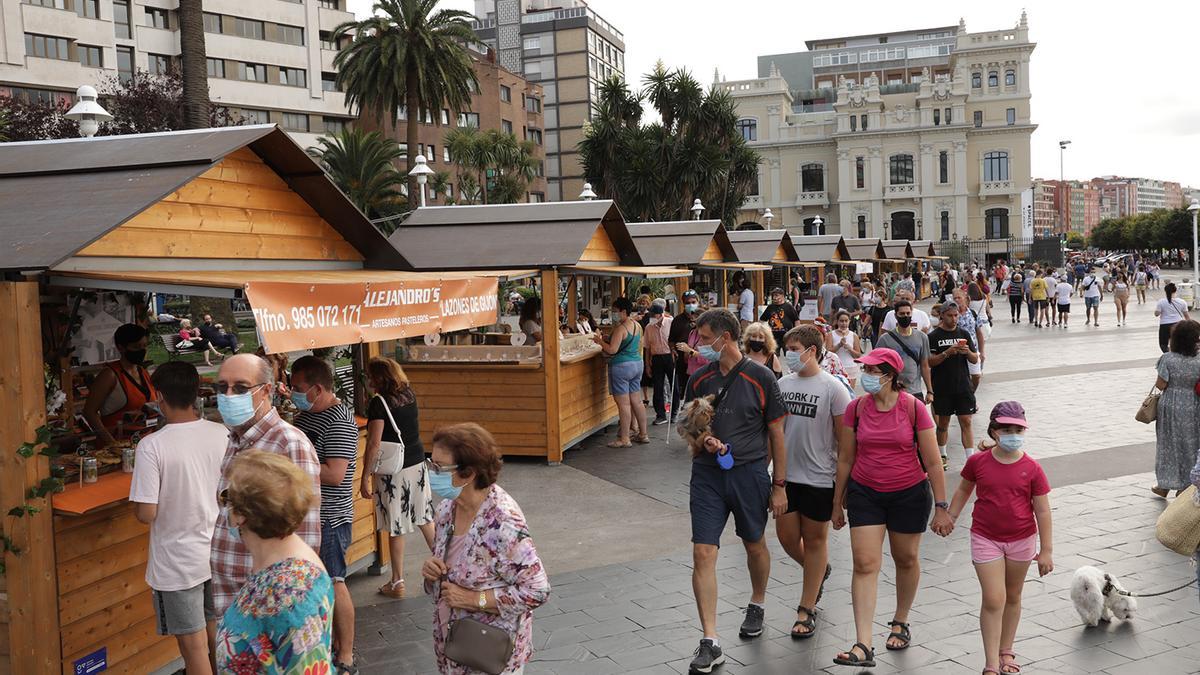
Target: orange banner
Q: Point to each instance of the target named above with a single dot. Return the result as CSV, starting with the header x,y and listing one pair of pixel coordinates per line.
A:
x,y
293,316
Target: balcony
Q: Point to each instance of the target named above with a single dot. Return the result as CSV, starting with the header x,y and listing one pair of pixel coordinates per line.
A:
x,y
997,188
807,199
910,191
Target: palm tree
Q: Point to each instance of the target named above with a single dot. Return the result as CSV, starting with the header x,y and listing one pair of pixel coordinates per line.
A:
x,y
471,150
196,104
439,184
407,54
362,165
494,159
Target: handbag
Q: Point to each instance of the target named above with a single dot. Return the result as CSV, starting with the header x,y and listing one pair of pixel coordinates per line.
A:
x,y
1148,411
472,643
391,455
1178,527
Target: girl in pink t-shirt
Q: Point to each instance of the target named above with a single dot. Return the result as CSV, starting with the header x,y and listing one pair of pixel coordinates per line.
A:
x,y
1012,510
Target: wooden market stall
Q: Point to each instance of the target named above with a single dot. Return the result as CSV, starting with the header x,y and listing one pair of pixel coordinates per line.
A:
x,y
702,245
817,252
772,249
867,250
924,258
897,254
223,213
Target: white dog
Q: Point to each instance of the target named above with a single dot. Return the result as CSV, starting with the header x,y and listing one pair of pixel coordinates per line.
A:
x,y
1097,596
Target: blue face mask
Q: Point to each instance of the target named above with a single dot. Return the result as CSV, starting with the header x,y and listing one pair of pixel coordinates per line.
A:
x,y
691,307
235,532
1011,442
871,383
795,361
300,400
439,482
236,409
708,353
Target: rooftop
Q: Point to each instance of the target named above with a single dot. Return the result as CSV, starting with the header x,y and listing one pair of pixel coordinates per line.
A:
x,y
915,31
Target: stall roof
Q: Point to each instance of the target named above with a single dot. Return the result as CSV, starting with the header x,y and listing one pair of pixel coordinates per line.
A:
x,y
923,248
682,242
62,195
551,234
865,249
763,246
897,249
820,248
733,266
648,272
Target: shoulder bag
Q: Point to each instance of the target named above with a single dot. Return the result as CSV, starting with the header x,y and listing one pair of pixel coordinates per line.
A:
x,y
391,455
1178,527
472,643
1148,411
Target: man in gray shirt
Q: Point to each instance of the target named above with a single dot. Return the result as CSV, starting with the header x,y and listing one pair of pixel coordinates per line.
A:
x,y
913,347
825,295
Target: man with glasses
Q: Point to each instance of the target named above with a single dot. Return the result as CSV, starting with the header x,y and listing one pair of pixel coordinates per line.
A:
x,y
244,386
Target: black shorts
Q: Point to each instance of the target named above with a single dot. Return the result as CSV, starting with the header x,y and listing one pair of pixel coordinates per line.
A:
x,y
1041,303
1064,309
714,493
814,503
904,512
949,405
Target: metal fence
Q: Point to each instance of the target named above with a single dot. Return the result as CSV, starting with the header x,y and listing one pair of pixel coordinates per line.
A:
x,y
1046,250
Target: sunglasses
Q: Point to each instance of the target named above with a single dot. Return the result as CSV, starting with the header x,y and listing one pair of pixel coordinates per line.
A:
x,y
238,389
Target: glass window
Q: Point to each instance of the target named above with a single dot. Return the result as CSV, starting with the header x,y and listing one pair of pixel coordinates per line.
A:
x,y
121,19
329,82
292,35
854,123
937,117
946,115
978,118
159,64
90,56
327,42
900,170
216,67
996,223
748,128
256,115
976,80
46,47
212,22
329,4
293,77
533,104
401,112
445,154
157,18
812,178
252,72
505,93
426,116
53,4
532,44
1010,116
468,120
88,9
248,28
993,79
125,63
864,122
943,167
1010,77
506,126
945,221
295,121
862,227
995,166
860,172
537,197
432,154
534,135
445,117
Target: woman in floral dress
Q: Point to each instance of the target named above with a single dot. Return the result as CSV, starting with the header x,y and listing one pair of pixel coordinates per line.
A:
x,y
1178,426
280,622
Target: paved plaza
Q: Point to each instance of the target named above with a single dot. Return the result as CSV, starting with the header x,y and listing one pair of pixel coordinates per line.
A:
x,y
613,530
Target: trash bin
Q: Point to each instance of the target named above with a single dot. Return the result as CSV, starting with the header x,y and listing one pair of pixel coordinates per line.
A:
x,y
1187,293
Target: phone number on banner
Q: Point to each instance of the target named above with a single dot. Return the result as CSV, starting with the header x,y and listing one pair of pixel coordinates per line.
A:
x,y
312,316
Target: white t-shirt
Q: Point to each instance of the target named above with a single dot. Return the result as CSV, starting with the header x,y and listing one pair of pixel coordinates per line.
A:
x,y
746,305
1092,291
177,468
1170,312
1064,290
812,402
920,320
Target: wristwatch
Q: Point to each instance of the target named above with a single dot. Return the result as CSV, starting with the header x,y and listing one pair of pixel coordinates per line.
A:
x,y
482,599
945,506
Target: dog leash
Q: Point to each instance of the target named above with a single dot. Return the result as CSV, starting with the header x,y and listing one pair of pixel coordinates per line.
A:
x,y
1151,595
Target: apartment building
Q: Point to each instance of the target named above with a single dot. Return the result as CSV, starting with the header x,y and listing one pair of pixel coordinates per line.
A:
x,y
505,101
270,60
568,49
1045,215
1131,196
916,134
1078,205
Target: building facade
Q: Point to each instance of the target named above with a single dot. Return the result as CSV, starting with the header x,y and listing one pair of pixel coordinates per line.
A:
x,y
505,101
269,60
1131,196
1045,216
1078,206
568,49
919,135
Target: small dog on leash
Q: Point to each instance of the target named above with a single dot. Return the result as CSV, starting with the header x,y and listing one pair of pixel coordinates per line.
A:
x,y
1098,596
695,425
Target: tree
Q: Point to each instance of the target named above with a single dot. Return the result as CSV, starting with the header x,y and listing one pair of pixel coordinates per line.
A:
x,y
439,184
1075,240
654,171
362,165
1174,230
493,158
407,55
1109,235
196,106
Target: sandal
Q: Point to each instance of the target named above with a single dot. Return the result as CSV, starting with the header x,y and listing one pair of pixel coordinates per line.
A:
x,y
989,669
393,589
821,589
642,438
904,635
619,444
1012,663
851,659
810,623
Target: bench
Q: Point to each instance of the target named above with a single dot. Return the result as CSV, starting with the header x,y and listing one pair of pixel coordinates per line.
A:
x,y
171,344
243,319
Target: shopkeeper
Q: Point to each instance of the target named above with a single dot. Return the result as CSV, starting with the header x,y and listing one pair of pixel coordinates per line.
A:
x,y
121,386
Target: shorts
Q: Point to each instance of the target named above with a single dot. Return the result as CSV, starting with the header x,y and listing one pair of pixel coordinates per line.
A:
x,y
984,550
1064,309
403,501
714,493
905,511
814,503
184,612
975,368
334,542
625,377
1041,303
949,405
1091,303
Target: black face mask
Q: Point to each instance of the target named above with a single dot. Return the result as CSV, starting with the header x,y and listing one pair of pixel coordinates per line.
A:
x,y
757,346
135,356
904,321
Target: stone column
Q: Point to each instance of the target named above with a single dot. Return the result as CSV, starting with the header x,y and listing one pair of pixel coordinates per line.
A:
x,y
961,190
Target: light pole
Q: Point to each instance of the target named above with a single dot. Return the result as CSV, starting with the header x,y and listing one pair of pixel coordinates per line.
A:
x,y
587,195
87,112
885,230
1194,209
422,172
817,223
697,209
1062,189
768,216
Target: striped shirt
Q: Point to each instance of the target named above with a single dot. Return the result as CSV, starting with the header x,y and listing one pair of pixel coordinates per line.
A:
x,y
334,434
231,561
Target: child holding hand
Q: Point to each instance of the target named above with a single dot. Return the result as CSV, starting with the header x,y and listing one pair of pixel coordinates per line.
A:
x,y
1012,511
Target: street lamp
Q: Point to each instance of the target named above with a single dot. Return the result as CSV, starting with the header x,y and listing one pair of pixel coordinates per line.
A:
x,y
768,216
885,229
1194,209
817,223
422,172
1062,188
87,112
587,195
920,230
697,209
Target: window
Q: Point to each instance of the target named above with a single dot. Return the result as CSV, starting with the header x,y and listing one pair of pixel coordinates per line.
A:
x,y
252,72
327,41
46,47
505,94
159,64
860,173
536,197
976,80
978,118
445,117
1010,116
53,4
329,4
854,123
92,57
468,120
533,104
212,23
534,135
295,121
945,222
121,19
864,122
445,154
993,79
216,67
426,116
943,167
862,227
293,77
256,115
996,223
937,117
88,9
506,126
748,128
292,35
946,115
157,18
248,28
532,44
754,187
995,166
432,154
401,112
1010,77
329,82
125,63
812,178
900,169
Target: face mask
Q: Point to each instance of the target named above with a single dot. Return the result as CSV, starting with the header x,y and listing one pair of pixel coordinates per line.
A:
x,y
235,532
871,383
1011,442
691,307
300,400
757,345
440,483
795,361
236,409
904,321
136,356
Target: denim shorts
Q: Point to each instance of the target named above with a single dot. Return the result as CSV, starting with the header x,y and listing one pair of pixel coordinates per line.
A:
x,y
334,542
1091,303
625,377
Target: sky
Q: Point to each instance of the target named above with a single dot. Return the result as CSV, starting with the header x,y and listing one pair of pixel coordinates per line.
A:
x,y
1113,79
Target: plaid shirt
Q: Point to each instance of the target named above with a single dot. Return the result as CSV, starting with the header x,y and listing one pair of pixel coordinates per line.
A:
x,y
231,561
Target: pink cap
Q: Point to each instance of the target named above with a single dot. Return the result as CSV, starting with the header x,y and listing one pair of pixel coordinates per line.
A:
x,y
882,355
1009,412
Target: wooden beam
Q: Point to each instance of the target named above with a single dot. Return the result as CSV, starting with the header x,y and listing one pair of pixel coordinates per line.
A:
x,y
572,302
32,608
551,366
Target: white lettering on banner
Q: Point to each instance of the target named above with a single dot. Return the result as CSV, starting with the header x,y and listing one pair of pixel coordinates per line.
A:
x,y
397,297
468,305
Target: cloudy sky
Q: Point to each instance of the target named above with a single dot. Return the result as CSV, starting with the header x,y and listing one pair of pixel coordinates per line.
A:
x,y
1122,85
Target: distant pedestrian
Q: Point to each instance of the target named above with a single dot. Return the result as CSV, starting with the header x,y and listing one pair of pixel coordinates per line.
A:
x,y
658,360
825,295
1093,295
1062,293
758,344
747,309
683,326
951,350
1039,291
1121,298
1139,283
1177,428
780,315
1016,296
1170,311
846,344
913,347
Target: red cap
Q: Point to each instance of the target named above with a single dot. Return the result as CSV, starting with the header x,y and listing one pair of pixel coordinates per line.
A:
x,y
882,355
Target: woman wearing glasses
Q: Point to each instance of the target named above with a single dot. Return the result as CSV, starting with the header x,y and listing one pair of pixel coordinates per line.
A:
x,y
485,566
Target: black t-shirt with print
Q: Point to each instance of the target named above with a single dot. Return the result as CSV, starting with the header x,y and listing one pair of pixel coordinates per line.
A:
x,y
951,376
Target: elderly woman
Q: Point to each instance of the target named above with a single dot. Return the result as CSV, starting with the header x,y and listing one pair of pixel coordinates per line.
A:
x,y
189,337
759,344
1177,428
281,620
485,566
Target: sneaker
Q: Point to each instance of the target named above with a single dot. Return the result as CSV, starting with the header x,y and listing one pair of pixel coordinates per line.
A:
x,y
659,420
707,656
752,625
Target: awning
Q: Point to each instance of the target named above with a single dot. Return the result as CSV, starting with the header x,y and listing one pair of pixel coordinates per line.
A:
x,y
628,271
793,263
735,266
